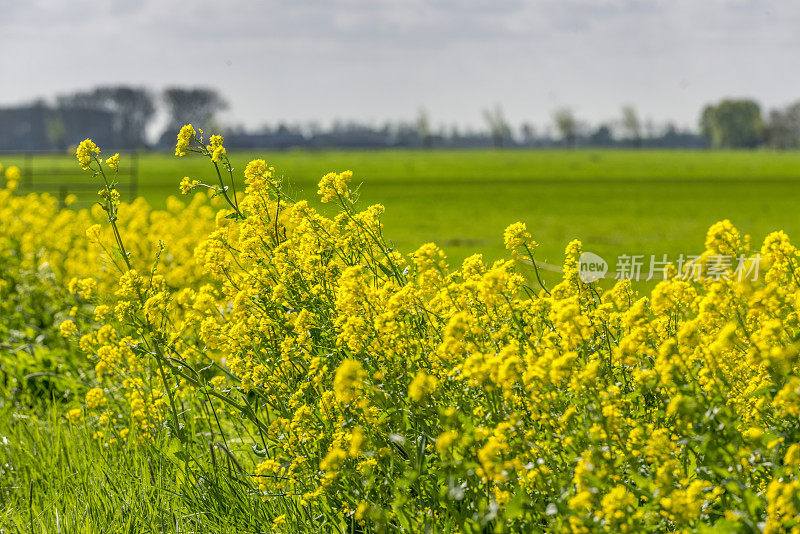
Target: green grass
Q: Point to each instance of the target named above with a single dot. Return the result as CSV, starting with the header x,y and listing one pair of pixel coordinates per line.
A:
x,y
55,478
616,202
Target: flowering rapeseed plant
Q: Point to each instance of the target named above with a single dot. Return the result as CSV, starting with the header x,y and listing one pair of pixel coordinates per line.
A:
x,y
374,391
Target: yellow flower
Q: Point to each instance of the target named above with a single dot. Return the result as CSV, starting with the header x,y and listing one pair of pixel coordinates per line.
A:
x,y
347,382
490,456
85,288
753,434
68,329
187,184
333,460
580,501
13,174
516,235
335,185
95,398
75,416
101,312
792,456
421,386
258,176
93,233
85,152
109,195
185,136
215,148
113,162
617,505
446,440
357,440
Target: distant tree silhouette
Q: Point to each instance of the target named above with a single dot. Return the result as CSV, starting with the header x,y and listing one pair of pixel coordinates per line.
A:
x,y
602,136
528,132
196,106
498,126
782,130
423,126
733,124
566,125
132,108
632,125
706,122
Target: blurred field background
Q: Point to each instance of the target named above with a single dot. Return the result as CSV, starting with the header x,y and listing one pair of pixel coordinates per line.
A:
x,y
615,201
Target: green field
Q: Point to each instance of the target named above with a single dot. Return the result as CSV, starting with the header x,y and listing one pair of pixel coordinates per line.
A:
x,y
617,202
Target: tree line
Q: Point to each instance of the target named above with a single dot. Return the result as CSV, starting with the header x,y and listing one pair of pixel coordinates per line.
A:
x,y
133,109
123,117
120,117
741,124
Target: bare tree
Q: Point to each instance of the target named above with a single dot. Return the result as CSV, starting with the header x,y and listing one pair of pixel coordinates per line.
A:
x,y
195,105
423,127
528,132
783,127
498,126
632,125
131,107
566,125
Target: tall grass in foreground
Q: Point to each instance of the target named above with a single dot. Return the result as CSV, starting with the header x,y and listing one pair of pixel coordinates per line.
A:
x,y
56,478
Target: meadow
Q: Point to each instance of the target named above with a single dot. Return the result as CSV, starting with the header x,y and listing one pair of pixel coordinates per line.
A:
x,y
287,359
617,202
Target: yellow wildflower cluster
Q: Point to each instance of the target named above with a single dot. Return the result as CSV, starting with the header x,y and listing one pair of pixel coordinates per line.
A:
x,y
95,398
61,270
394,392
187,184
517,235
12,177
216,149
85,152
335,185
421,386
185,137
259,177
113,162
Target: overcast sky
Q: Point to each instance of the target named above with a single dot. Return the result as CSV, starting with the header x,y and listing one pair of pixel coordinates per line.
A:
x,y
373,60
